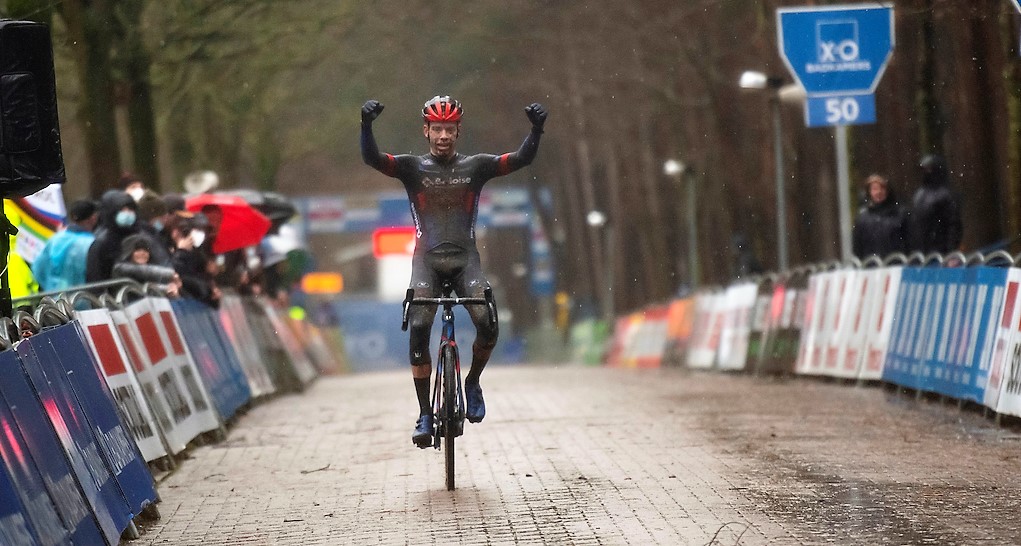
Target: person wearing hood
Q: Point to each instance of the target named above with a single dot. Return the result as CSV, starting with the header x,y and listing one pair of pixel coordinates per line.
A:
x,y
153,215
136,263
61,264
881,226
117,219
191,263
935,218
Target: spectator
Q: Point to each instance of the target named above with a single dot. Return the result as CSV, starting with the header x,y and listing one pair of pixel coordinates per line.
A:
x,y
190,263
745,262
61,263
935,217
130,184
153,215
231,267
881,226
117,219
135,263
174,202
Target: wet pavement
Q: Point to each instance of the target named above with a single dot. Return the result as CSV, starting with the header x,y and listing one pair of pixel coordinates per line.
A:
x,y
603,456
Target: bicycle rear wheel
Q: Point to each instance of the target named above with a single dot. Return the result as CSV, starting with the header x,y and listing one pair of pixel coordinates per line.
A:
x,y
449,356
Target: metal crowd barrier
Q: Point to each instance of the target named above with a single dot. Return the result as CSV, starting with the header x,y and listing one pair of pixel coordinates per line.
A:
x,y
102,386
943,324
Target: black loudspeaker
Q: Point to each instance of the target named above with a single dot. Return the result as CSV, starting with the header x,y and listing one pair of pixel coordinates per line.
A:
x,y
30,157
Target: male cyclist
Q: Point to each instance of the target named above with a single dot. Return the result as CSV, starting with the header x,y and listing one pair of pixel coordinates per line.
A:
x,y
443,187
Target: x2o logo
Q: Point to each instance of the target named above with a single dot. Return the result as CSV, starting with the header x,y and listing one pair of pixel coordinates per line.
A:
x,y
838,41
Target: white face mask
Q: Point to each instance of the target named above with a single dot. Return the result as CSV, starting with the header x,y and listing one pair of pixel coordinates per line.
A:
x,y
198,237
135,193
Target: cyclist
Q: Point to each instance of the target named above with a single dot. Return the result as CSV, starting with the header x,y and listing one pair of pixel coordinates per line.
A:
x,y
443,187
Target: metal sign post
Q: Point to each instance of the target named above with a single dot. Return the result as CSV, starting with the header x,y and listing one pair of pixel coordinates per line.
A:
x,y
838,54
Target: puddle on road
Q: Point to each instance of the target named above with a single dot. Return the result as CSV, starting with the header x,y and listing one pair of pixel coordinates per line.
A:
x,y
830,509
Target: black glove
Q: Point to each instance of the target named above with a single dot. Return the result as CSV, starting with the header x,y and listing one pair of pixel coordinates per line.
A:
x,y
536,114
371,110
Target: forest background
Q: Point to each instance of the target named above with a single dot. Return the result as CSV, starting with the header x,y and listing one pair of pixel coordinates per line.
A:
x,y
267,94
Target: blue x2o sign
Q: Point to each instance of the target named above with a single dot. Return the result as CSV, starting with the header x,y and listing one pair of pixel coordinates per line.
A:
x,y
838,54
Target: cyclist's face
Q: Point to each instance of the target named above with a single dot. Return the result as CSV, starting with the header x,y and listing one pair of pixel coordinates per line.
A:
x,y
442,136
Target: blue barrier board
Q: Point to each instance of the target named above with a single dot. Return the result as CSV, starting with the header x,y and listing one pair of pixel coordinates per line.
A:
x,y
965,376
29,426
943,327
14,526
218,364
901,367
67,345
20,471
77,439
240,391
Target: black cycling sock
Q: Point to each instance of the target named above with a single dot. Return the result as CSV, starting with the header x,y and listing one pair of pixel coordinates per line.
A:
x,y
422,389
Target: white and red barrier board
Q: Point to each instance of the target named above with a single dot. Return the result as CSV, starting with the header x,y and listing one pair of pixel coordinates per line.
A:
x,y
630,329
119,371
645,338
843,352
1003,390
239,332
161,402
705,338
619,340
878,320
189,407
835,311
810,354
738,302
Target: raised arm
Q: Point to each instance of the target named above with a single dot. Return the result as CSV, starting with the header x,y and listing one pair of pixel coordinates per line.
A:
x,y
511,162
383,163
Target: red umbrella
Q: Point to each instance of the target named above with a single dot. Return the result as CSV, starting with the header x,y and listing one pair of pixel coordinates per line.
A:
x,y
241,226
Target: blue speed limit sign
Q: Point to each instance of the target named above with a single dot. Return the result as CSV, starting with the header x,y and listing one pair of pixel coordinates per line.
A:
x,y
841,110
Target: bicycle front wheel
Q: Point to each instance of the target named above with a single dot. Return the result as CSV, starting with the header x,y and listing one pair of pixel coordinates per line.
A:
x,y
449,356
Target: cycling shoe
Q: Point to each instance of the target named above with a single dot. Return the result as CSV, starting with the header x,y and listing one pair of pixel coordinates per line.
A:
x,y
423,436
476,410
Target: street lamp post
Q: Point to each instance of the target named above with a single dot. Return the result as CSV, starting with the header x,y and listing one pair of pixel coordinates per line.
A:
x,y
678,170
599,220
757,80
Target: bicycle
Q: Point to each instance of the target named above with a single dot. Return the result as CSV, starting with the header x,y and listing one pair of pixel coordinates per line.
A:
x,y
448,395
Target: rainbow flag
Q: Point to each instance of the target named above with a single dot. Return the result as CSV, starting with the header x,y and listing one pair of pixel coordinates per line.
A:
x,y
37,218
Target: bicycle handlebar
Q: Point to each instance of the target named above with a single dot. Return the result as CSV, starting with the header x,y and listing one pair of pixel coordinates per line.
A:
x,y
446,301
410,300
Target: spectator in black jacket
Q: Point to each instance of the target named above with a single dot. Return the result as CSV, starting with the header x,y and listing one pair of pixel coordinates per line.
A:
x,y
153,215
136,263
191,264
117,218
935,218
881,226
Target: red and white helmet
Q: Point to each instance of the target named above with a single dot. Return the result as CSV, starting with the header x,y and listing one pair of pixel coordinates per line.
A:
x,y
439,109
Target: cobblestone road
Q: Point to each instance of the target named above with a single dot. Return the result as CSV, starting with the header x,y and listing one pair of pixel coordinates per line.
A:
x,y
600,456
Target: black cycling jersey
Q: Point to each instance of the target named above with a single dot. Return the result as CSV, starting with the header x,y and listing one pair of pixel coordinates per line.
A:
x,y
444,193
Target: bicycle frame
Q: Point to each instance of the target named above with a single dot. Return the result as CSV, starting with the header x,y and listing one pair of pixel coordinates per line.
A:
x,y
441,417
448,413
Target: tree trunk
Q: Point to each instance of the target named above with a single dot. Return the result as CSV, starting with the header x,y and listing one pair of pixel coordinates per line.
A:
x,y
88,33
